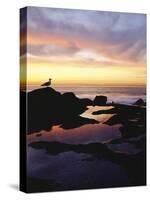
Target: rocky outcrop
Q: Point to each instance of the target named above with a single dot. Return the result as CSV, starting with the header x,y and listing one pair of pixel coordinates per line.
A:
x,y
100,101
86,102
47,107
139,102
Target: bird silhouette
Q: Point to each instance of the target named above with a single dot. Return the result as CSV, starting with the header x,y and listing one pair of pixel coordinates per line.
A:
x,y
48,83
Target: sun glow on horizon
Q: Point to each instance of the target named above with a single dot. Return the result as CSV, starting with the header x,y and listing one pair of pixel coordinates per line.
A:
x,y
86,75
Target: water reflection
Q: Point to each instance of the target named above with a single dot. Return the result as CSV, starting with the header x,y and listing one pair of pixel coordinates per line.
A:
x,y
74,170
85,134
101,118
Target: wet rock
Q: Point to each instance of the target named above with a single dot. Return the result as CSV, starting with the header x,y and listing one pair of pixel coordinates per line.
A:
x,y
100,101
110,111
86,102
132,130
71,105
77,122
47,107
139,102
41,185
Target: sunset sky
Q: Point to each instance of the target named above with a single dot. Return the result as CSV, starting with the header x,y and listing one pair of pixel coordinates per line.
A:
x,y
84,47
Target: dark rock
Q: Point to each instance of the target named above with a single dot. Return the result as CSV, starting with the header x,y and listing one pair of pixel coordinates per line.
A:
x,y
141,143
41,185
86,102
77,122
69,96
71,105
110,111
132,130
55,148
43,109
100,101
38,135
47,107
139,102
115,119
125,115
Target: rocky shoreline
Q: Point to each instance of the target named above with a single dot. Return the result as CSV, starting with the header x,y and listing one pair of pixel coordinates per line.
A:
x,y
47,107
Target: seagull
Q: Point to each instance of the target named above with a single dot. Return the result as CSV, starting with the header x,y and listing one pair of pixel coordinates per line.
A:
x,y
48,83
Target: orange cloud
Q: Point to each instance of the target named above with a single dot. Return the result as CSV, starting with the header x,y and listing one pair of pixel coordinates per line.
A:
x,y
36,39
103,49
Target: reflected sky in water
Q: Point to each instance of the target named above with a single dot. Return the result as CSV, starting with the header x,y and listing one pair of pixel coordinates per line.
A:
x,y
77,170
85,134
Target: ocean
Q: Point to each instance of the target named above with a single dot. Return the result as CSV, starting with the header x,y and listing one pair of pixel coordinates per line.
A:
x,y
125,95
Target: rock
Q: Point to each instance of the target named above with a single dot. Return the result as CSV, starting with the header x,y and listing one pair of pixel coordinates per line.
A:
x,y
41,185
139,102
38,135
115,119
100,101
77,122
86,102
47,107
125,114
71,105
55,148
132,130
69,95
110,111
43,107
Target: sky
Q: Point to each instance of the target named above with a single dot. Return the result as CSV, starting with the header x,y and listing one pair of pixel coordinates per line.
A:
x,y
83,47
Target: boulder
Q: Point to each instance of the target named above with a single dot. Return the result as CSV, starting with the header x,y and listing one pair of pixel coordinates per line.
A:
x,y
71,105
47,107
86,102
76,122
139,102
43,109
100,101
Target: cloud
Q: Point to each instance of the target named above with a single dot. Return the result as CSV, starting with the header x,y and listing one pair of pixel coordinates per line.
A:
x,y
51,50
119,36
